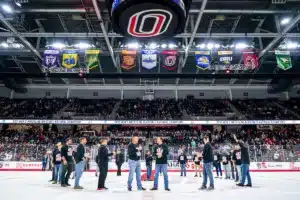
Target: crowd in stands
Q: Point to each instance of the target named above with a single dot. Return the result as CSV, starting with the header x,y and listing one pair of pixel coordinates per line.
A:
x,y
208,108
262,109
157,109
32,142
92,107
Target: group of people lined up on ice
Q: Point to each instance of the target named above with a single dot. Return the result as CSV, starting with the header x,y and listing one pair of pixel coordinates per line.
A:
x,y
63,160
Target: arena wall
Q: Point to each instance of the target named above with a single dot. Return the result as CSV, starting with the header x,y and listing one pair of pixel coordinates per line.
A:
x,y
132,94
172,166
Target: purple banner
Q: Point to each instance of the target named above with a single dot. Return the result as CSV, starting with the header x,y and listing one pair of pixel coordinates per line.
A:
x,y
50,59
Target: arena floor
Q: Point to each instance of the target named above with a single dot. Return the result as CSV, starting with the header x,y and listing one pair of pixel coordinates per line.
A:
x,y
34,185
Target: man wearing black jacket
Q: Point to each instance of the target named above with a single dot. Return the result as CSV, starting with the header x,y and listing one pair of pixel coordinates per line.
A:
x,y
119,161
134,155
149,159
182,160
67,162
103,158
207,164
245,160
161,152
80,162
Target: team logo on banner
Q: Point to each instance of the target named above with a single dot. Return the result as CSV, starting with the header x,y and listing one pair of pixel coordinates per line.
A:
x,y
69,58
169,59
137,26
250,60
50,59
283,59
92,59
225,57
128,59
202,59
149,59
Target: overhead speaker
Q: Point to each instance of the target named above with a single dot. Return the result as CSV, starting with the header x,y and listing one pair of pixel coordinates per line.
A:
x,y
145,19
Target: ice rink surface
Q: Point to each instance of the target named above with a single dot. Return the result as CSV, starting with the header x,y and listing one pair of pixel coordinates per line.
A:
x,y
35,186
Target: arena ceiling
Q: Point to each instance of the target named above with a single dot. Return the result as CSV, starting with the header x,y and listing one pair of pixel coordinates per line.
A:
x,y
38,23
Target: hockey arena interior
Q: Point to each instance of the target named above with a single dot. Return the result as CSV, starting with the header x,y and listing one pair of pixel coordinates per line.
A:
x,y
149,99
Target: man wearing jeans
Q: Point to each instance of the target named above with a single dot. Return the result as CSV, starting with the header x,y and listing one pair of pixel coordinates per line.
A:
x,y
245,160
237,163
134,155
182,160
149,159
161,152
207,165
67,161
56,161
80,162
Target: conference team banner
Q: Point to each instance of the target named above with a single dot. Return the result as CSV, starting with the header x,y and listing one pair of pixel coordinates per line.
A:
x,y
70,61
149,59
203,59
50,60
283,59
92,60
152,122
128,59
250,60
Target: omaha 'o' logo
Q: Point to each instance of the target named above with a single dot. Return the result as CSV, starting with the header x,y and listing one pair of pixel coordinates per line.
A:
x,y
149,23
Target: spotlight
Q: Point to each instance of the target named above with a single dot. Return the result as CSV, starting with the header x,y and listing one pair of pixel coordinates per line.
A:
x,y
83,45
292,45
171,46
4,44
7,8
217,46
241,46
163,46
58,45
285,21
210,45
133,45
153,46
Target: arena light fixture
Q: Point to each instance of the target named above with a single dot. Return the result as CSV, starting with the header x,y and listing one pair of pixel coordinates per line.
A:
x,y
4,44
210,45
7,8
171,46
163,46
153,46
241,46
217,46
83,45
58,45
292,45
285,21
133,45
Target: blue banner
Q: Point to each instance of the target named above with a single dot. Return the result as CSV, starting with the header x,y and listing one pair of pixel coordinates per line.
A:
x,y
203,59
50,59
149,59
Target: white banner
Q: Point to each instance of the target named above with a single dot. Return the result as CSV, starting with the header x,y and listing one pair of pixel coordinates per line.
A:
x,y
148,122
172,165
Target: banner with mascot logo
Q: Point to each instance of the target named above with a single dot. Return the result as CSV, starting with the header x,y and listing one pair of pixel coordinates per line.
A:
x,y
149,59
50,60
225,57
169,59
128,59
70,60
203,59
250,60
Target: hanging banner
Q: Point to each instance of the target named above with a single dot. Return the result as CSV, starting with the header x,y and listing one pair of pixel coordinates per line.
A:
x,y
128,59
169,59
149,59
70,60
92,60
283,59
225,57
250,60
50,60
203,59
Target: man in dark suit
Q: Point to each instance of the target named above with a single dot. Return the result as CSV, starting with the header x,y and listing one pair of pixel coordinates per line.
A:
x,y
103,158
119,161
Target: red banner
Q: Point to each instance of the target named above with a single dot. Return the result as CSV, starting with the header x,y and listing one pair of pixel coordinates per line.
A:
x,y
169,59
128,59
250,60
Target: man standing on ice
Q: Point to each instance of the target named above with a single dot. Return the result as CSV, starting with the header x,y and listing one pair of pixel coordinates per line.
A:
x,y
161,152
207,165
134,164
245,160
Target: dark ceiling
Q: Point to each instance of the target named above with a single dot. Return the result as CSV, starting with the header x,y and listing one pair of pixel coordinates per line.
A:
x,y
221,22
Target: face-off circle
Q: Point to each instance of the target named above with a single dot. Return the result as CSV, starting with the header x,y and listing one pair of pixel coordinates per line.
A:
x,y
148,18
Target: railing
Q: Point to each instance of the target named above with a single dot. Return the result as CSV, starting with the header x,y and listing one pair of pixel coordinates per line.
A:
x,y
258,153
